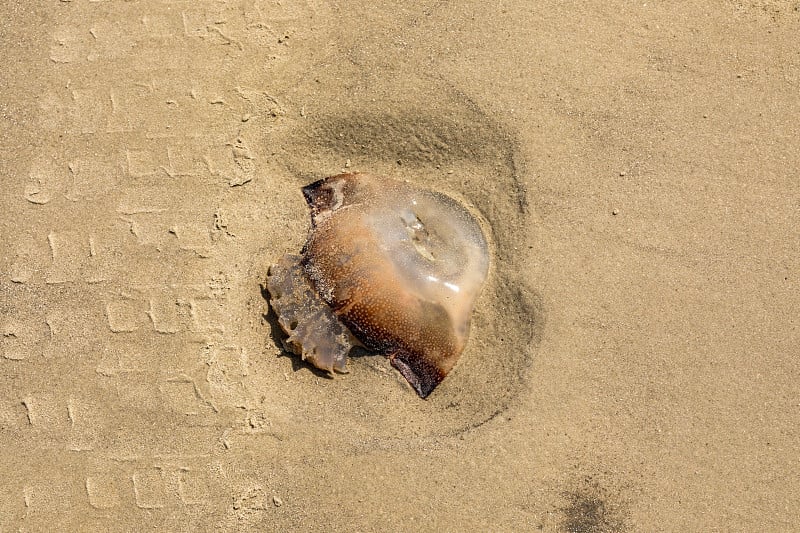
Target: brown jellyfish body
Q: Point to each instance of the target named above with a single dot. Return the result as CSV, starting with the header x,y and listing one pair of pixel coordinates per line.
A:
x,y
387,265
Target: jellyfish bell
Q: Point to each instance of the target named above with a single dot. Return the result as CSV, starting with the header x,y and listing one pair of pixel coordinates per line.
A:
x,y
387,265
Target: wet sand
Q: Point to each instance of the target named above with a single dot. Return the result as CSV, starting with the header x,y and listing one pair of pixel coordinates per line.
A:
x,y
633,360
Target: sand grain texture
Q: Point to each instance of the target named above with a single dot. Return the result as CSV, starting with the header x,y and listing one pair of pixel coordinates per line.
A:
x,y
633,360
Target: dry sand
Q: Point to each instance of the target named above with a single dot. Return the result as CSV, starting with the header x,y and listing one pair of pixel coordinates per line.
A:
x,y
633,364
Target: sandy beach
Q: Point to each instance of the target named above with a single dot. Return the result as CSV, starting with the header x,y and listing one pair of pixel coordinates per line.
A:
x,y
633,362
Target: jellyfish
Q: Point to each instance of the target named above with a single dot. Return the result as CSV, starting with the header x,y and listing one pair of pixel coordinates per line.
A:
x,y
387,265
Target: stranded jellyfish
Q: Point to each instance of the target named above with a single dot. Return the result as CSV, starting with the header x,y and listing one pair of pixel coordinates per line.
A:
x,y
387,265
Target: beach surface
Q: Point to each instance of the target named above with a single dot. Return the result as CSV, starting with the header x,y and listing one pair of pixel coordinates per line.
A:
x,y
633,363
